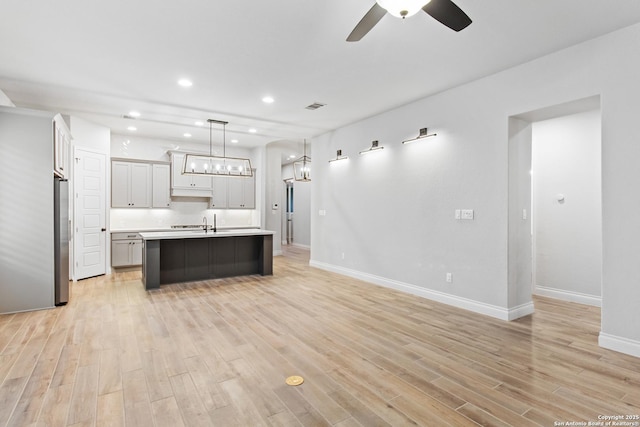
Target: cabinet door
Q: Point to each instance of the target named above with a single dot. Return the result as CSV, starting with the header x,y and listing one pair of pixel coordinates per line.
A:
x,y
201,182
161,186
140,185
249,192
241,193
219,198
235,193
120,250
177,179
120,179
135,252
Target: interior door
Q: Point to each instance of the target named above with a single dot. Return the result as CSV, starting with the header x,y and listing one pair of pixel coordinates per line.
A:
x,y
90,213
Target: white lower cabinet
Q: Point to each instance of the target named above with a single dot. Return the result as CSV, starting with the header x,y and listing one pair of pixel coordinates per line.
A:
x,y
126,249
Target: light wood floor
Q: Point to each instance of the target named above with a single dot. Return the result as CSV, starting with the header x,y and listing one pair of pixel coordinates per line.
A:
x,y
218,352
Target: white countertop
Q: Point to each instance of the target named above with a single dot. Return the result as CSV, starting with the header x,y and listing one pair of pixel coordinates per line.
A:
x,y
172,230
194,234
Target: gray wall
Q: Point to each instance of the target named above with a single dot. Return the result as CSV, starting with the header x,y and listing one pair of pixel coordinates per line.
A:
x,y
390,218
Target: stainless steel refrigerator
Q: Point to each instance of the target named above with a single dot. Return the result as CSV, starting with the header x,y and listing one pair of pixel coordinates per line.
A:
x,y
61,240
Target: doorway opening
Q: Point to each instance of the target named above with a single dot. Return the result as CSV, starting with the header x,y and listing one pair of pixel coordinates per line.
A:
x,y
555,223
289,212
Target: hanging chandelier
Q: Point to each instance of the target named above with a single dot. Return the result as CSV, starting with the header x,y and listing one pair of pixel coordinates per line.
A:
x,y
302,166
201,164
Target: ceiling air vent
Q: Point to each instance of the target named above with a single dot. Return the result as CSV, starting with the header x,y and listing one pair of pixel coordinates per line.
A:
x,y
315,106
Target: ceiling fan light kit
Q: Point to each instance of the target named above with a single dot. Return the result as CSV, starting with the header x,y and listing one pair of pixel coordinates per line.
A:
x,y
444,11
402,8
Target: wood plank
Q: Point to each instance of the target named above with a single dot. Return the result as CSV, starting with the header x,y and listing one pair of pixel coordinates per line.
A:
x,y
85,393
216,352
110,412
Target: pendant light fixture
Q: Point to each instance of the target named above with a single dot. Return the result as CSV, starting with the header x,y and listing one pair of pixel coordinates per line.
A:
x,y
201,164
302,167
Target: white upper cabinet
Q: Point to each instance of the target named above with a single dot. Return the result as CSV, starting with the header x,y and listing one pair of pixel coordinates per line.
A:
x,y
61,147
130,185
241,193
161,185
219,198
188,185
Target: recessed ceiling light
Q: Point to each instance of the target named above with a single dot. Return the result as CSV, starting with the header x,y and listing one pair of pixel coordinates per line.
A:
x,y
132,128
199,123
268,100
185,83
134,113
252,130
234,141
293,156
187,135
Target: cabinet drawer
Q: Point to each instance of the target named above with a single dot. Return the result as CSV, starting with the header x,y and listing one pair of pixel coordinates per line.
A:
x,y
125,236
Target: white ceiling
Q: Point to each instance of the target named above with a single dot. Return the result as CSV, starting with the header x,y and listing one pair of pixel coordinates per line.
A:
x,y
100,60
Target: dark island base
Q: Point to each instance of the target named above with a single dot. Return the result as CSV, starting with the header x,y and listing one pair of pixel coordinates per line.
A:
x,y
184,260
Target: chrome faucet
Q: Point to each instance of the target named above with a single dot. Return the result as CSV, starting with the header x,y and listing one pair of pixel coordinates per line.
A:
x,y
204,220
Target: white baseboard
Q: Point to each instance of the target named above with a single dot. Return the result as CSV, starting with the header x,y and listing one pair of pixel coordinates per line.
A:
x,y
569,296
619,344
455,301
300,245
277,253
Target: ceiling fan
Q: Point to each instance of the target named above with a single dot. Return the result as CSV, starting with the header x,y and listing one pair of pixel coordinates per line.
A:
x,y
444,11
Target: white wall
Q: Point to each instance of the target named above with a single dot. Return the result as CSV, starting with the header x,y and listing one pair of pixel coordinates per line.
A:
x,y
5,101
568,233
392,215
183,210
26,211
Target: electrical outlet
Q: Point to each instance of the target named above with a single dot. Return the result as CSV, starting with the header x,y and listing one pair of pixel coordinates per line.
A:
x,y
524,214
449,278
466,214
457,213
342,255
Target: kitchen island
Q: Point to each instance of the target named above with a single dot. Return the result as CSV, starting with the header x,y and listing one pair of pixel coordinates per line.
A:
x,y
184,256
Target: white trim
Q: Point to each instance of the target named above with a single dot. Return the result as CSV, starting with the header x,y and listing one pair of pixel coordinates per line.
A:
x,y
455,301
300,245
277,252
570,296
619,344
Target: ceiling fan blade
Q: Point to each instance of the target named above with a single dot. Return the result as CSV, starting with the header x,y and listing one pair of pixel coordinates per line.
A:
x,y
447,13
369,20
